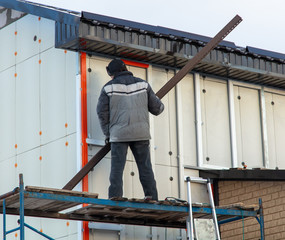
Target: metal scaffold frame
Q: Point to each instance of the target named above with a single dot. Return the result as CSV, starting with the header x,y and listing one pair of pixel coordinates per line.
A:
x,y
151,214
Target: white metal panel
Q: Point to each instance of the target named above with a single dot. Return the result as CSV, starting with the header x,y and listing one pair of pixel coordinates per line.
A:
x,y
279,117
167,181
8,114
104,235
270,119
8,175
53,95
55,228
275,108
29,164
264,128
70,83
215,128
132,185
7,46
232,123
71,166
131,232
187,121
27,105
27,44
199,191
198,119
138,72
172,128
249,138
11,223
72,237
99,177
164,139
35,223
96,78
54,163
46,33
167,234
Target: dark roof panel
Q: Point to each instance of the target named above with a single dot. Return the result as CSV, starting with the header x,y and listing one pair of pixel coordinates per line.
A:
x,y
157,30
265,53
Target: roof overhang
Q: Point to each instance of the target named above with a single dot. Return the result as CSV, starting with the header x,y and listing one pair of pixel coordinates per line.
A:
x,y
49,12
102,35
244,175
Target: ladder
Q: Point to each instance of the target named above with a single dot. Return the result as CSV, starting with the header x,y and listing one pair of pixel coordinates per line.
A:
x,y
190,221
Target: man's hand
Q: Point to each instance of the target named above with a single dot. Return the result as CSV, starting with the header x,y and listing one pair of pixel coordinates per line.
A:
x,y
107,140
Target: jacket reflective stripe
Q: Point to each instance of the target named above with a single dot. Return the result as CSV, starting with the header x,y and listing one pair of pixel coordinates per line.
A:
x,y
122,89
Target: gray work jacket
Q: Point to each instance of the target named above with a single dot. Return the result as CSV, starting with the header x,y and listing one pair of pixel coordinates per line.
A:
x,y
123,108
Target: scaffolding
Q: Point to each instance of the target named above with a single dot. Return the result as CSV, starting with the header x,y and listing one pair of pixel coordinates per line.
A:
x,y
49,203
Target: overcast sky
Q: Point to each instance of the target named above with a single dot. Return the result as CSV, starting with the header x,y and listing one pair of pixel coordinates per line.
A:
x,y
263,24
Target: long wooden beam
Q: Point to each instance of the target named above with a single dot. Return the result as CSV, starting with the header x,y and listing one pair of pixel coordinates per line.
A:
x,y
161,93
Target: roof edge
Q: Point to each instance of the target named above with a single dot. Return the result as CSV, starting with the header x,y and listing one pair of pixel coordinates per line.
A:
x,y
56,14
244,174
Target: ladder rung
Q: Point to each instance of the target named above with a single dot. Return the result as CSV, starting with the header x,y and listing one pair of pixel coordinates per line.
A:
x,y
196,180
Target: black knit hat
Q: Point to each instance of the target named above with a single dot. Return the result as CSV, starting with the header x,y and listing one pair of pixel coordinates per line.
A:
x,y
116,66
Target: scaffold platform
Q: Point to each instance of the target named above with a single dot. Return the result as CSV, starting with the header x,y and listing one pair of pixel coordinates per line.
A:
x,y
65,204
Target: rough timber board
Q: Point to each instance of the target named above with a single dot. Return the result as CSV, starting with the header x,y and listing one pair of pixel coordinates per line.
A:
x,y
61,192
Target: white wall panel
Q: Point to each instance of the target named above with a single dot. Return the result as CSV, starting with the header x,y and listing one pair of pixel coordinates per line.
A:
x,y
132,185
95,81
187,121
71,167
167,181
216,127
27,37
275,116
70,83
199,192
55,228
138,72
104,235
164,139
271,130
248,127
8,114
27,105
8,175
53,95
35,223
130,232
53,164
7,46
99,177
167,234
46,33
29,164
11,223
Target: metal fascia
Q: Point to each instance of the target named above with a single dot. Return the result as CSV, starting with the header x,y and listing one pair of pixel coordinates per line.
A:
x,y
41,11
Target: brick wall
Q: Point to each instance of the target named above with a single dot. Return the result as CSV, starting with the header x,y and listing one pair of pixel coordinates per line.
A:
x,y
248,192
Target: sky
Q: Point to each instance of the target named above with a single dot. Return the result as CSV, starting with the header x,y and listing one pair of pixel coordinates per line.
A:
x,y
263,24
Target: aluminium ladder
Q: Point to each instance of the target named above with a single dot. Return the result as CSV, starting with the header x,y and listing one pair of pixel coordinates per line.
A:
x,y
190,221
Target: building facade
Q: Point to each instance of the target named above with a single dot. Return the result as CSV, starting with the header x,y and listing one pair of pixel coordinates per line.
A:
x,y
226,113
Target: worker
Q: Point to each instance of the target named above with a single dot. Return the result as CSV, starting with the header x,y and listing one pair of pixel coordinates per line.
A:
x,y
123,111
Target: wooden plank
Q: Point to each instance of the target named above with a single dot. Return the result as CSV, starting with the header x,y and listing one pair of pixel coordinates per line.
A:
x,y
11,200
61,192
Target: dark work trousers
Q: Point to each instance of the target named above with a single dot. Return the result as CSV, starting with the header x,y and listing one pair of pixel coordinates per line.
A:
x,y
140,150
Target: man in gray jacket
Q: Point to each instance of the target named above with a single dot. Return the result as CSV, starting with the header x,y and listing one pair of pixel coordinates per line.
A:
x,y
123,110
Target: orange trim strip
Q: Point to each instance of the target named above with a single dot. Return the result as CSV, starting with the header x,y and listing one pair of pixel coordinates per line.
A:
x,y
84,131
135,64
